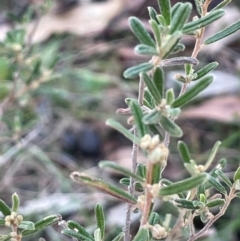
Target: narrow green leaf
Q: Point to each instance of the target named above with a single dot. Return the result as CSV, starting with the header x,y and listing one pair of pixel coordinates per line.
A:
x,y
236,175
224,177
142,235
154,218
215,203
151,87
156,173
4,208
178,48
27,225
170,43
224,33
212,154
97,235
180,17
80,229
184,152
134,71
138,115
221,5
116,125
143,49
205,70
202,22
2,221
174,9
158,79
152,13
169,126
161,21
165,8
126,182
170,96
202,198
184,185
100,218
217,185
15,202
186,204
198,6
149,98
156,32
141,170
140,32
43,223
120,169
6,237
103,186
74,234
193,91
119,237
152,118
155,129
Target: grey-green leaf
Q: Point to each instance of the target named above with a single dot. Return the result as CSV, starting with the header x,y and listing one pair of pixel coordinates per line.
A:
x,y
236,175
224,177
154,218
4,208
138,115
165,8
152,87
184,152
224,33
116,125
170,44
140,32
190,27
184,185
119,237
215,203
76,226
205,70
134,71
158,79
186,204
169,126
144,49
43,223
170,96
74,234
120,169
27,225
100,218
217,185
15,202
193,91
142,235
180,17
103,186
152,118
156,32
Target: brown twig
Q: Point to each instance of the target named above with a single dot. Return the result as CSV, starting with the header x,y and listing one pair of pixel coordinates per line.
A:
x,y
216,217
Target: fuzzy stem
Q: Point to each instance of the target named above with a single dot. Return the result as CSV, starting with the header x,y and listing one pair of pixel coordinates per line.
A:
x,y
134,167
148,195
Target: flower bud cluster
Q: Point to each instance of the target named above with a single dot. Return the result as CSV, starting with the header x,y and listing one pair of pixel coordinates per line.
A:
x,y
163,107
15,236
13,220
159,232
157,152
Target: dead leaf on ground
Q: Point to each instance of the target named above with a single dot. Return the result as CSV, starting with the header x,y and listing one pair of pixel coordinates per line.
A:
x,y
223,109
82,20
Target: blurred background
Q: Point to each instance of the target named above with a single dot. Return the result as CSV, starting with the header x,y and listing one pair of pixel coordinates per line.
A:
x,y
61,65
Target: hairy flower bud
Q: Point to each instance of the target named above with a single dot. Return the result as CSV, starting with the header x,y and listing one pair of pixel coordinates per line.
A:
x,y
159,232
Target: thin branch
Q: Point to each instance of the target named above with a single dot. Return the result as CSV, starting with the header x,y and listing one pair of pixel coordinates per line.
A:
x,y
216,217
134,167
